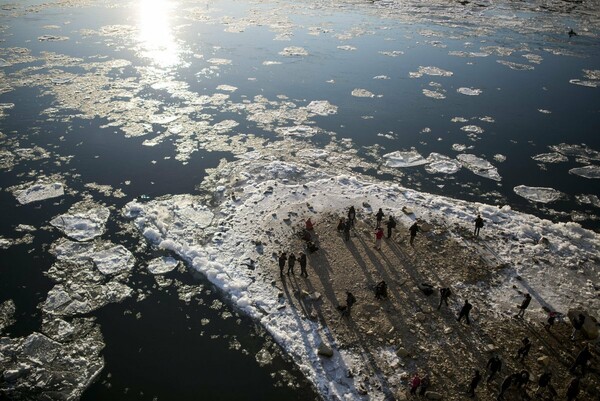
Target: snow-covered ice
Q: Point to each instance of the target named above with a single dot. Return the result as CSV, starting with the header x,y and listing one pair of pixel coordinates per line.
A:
x,y
586,171
39,192
162,265
404,159
82,225
479,166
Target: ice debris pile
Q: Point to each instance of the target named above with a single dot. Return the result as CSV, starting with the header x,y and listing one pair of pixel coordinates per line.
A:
x,y
252,220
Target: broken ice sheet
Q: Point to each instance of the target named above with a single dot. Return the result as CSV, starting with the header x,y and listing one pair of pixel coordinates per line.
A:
x,y
550,158
433,71
83,222
40,191
113,260
362,93
404,159
469,91
575,150
538,194
440,164
592,171
588,199
162,265
479,166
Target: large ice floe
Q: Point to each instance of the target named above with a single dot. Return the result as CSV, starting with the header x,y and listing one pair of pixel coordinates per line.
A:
x,y
538,194
265,201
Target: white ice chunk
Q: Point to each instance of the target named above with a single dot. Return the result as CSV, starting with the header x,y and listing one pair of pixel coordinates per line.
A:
x,y
538,194
362,93
553,157
82,226
404,159
38,192
113,260
440,164
321,107
474,129
583,151
469,91
162,265
479,166
294,51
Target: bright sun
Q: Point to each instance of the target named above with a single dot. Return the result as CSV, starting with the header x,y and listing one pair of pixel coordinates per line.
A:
x,y
155,35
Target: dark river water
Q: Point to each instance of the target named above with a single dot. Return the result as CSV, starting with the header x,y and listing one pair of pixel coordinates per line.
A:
x,y
56,94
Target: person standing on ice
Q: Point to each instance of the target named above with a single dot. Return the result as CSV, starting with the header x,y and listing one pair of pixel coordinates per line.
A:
x,y
413,232
309,224
577,325
415,382
347,228
303,264
523,351
341,225
478,225
291,263
351,216
391,224
379,216
444,294
494,366
464,312
524,305
378,237
282,259
582,360
474,383
573,389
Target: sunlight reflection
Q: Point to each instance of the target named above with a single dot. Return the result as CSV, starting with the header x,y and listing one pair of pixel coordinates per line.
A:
x,y
157,41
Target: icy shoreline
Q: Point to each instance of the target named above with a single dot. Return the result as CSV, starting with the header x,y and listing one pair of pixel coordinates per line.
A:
x,y
556,262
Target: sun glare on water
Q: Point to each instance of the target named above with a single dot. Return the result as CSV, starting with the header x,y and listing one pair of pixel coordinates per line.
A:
x,y
155,35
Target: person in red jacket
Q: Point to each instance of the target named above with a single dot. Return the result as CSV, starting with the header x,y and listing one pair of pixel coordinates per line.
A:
x,y
415,382
378,237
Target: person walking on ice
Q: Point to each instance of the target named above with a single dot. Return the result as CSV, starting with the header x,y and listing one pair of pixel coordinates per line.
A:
x,y
444,294
474,383
378,237
524,305
478,225
351,216
464,312
413,232
391,224
494,366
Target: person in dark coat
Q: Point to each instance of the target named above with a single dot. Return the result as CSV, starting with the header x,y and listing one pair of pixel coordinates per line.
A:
x,y
573,389
494,366
413,231
550,321
523,351
543,382
582,359
379,216
347,227
391,224
350,300
425,382
444,294
524,305
577,325
474,383
507,383
478,225
341,225
464,312
381,290
303,264
291,263
282,260
351,216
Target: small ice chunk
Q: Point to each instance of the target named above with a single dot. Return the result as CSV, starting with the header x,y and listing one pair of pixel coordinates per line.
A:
x,y
591,171
433,71
227,88
362,93
588,199
516,66
583,151
538,194
474,129
162,265
219,61
381,77
404,159
346,47
499,157
294,51
7,314
434,94
38,192
469,91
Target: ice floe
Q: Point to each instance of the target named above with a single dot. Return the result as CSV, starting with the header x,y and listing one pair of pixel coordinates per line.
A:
x,y
39,192
582,151
440,164
7,314
586,171
553,157
538,194
162,265
83,222
433,71
479,166
404,159
362,93
473,129
469,91
294,51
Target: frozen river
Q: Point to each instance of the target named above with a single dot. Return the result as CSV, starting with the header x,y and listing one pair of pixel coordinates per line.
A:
x,y
105,102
